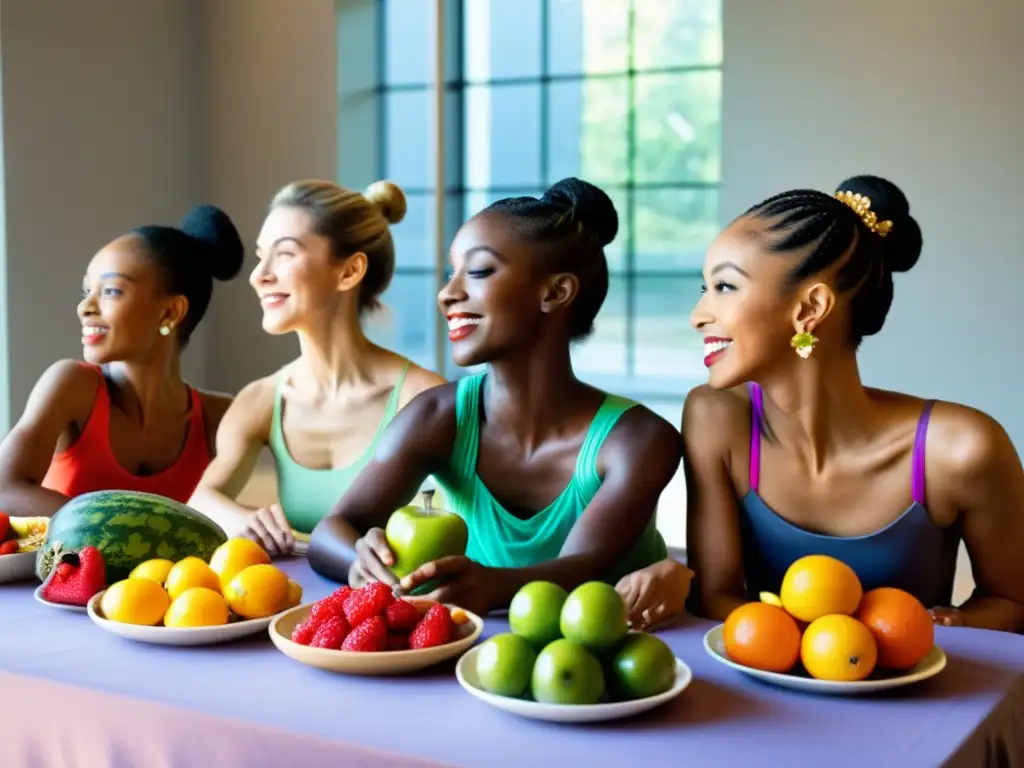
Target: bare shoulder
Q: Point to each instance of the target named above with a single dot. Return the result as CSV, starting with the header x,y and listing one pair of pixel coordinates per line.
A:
x,y
716,416
418,380
426,427
431,405
70,383
643,441
965,442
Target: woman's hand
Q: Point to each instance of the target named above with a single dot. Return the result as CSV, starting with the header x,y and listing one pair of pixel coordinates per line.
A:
x,y
465,583
375,557
269,528
947,617
655,593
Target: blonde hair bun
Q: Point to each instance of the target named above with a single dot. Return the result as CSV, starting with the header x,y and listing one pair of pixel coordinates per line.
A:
x,y
388,198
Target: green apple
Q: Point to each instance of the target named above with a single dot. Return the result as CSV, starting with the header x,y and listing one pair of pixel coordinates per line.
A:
x,y
504,664
535,611
418,535
643,665
567,673
594,615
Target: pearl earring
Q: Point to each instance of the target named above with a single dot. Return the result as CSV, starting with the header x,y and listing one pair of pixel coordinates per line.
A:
x,y
165,330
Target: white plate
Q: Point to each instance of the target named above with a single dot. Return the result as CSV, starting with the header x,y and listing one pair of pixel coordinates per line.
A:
x,y
930,666
39,597
20,566
161,635
465,672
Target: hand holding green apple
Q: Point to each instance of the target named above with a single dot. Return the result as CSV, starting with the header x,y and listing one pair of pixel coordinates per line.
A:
x,y
419,535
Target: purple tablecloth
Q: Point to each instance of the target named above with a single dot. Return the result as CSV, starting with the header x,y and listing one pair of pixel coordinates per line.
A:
x,y
156,705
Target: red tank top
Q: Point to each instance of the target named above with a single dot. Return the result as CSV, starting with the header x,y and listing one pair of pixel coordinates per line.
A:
x,y
89,464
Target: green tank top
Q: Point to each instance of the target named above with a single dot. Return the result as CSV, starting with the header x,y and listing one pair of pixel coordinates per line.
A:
x,y
307,495
499,539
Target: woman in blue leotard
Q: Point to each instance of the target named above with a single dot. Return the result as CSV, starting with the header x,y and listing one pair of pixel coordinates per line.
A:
x,y
809,460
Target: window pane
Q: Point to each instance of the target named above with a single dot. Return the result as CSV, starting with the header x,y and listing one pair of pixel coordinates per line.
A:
x,y
414,235
502,129
503,38
405,324
678,127
588,36
587,130
674,228
409,41
677,33
603,353
666,344
409,144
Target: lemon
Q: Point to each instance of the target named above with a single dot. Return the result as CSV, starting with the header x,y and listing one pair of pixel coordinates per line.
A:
x,y
258,591
197,607
155,569
294,593
190,572
234,555
771,598
135,601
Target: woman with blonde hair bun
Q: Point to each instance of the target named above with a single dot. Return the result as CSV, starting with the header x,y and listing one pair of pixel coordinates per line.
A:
x,y
325,256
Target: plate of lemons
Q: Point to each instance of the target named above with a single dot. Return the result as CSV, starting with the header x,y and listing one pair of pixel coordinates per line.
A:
x,y
823,633
192,602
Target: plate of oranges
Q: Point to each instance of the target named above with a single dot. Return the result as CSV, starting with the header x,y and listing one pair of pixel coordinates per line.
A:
x,y
192,602
824,634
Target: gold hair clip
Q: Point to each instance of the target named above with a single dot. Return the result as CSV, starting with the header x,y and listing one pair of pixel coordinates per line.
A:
x,y
861,205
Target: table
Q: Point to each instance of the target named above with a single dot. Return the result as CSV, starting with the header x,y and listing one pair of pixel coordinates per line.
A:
x,y
73,695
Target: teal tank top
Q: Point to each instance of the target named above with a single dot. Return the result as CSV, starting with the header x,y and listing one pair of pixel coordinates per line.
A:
x,y
307,495
499,539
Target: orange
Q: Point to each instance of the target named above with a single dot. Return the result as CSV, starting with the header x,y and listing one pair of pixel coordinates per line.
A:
x,y
838,647
902,627
762,636
819,585
234,555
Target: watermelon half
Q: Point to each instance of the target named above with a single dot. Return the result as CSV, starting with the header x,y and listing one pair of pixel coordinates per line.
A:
x,y
127,527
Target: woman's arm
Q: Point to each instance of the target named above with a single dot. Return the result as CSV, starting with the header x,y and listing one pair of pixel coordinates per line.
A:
x,y
713,543
975,462
243,432
64,395
417,443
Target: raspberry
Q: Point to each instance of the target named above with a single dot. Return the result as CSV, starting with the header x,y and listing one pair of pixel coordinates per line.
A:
x,y
367,601
402,616
397,642
303,634
331,633
371,635
332,605
436,628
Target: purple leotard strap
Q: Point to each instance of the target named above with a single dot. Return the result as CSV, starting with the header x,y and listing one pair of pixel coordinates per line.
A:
x,y
917,484
756,417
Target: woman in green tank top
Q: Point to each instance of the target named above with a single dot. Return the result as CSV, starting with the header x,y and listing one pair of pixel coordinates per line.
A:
x,y
555,479
325,256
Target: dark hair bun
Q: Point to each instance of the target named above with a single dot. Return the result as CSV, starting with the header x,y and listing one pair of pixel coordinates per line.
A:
x,y
901,247
586,204
211,226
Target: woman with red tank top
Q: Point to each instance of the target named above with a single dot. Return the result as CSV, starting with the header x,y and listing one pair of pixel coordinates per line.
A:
x,y
125,419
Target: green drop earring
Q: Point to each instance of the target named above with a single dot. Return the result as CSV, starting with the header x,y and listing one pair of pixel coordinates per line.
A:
x,y
803,343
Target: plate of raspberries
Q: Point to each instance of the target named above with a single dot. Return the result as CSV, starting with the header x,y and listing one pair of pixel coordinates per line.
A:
x,y
369,631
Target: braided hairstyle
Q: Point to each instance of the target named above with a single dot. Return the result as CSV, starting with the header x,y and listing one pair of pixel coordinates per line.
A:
x,y
572,221
829,230
207,246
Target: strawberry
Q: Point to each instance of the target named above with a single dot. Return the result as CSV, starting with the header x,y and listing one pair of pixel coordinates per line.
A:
x,y
5,525
436,628
367,601
76,578
397,642
402,616
331,633
9,547
371,635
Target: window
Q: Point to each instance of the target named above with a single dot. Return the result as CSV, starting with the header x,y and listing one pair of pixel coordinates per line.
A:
x,y
623,93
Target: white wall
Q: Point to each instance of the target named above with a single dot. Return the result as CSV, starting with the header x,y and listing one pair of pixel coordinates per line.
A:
x,y
929,93
101,133
270,116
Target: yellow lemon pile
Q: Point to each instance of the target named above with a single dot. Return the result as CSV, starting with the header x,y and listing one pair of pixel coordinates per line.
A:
x,y
239,582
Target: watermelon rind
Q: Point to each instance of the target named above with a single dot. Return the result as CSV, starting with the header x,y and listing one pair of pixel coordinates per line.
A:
x,y
128,528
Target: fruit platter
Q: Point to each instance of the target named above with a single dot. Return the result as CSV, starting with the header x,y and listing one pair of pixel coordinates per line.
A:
x,y
370,631
824,634
192,602
20,540
571,658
